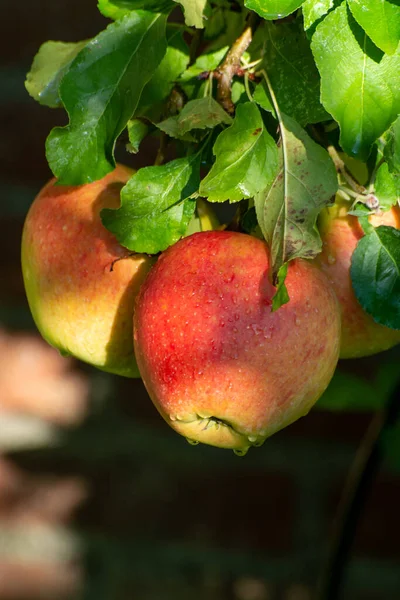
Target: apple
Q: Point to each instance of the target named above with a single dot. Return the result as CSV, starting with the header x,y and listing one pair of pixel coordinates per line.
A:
x,y
219,365
80,282
340,233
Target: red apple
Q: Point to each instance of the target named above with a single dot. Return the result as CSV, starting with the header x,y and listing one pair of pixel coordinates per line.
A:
x,y
340,233
80,294
221,368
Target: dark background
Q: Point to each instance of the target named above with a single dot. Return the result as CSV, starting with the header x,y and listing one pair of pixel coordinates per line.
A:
x,y
98,497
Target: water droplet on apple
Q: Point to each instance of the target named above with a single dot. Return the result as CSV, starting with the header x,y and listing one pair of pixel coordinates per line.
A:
x,y
252,438
258,443
256,328
297,321
268,333
172,418
331,259
241,452
192,442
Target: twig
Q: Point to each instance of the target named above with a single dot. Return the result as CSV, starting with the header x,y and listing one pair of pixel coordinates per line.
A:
x,y
229,67
359,481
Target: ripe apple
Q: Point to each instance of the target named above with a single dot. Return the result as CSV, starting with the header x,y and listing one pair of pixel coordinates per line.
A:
x,y
79,291
340,233
220,367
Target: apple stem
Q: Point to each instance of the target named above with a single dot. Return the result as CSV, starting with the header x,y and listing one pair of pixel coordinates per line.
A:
x,y
359,480
341,168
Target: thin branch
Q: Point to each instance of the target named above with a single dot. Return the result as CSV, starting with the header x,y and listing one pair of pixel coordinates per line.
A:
x,y
361,476
229,67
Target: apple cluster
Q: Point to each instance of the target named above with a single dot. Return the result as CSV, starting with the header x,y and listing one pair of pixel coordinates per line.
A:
x,y
221,367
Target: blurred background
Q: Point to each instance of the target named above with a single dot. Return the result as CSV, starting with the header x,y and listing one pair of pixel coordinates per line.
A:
x,y
99,499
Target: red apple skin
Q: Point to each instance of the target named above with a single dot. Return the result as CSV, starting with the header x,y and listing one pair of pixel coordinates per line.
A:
x,y
208,345
340,233
81,299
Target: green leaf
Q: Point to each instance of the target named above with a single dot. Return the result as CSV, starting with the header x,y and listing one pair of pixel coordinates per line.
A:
x,y
137,131
287,209
313,10
113,10
156,207
358,212
171,67
363,213
48,68
215,22
189,80
262,98
375,274
239,92
273,9
100,92
117,9
392,148
201,114
246,158
381,21
205,62
234,22
170,126
360,87
194,12
281,295
387,187
291,69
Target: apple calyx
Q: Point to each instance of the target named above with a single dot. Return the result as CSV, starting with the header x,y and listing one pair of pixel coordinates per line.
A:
x,y
215,431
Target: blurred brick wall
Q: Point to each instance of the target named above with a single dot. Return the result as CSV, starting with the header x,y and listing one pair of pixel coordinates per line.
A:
x,y
118,502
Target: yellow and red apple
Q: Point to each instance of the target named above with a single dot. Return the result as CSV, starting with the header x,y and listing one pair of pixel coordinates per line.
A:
x,y
80,282
340,233
221,368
